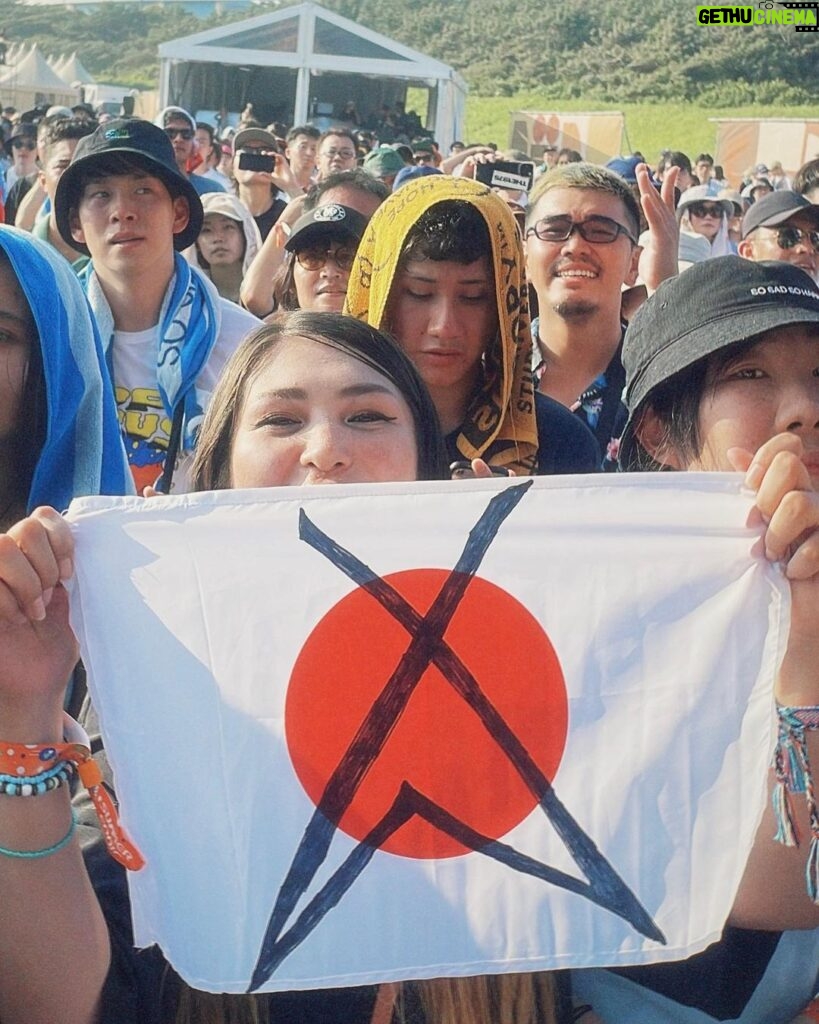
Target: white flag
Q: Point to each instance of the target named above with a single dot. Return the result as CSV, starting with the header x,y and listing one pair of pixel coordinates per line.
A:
x,y
371,733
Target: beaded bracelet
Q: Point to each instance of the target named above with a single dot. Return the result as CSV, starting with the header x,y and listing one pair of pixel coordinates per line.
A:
x,y
37,785
46,851
793,775
30,765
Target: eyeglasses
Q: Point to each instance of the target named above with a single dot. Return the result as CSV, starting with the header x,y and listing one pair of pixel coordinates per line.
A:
x,y
705,210
314,259
423,158
179,133
788,237
345,154
23,144
598,230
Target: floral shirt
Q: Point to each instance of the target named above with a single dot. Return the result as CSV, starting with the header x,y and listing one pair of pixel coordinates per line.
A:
x,y
600,406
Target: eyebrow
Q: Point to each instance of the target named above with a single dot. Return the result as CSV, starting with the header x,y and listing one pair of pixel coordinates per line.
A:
x,y
25,322
352,391
434,280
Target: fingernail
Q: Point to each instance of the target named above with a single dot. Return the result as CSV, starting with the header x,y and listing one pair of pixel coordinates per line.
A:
x,y
753,478
66,567
47,595
38,612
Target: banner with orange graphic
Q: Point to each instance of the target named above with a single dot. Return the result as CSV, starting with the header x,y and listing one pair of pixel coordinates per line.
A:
x,y
596,136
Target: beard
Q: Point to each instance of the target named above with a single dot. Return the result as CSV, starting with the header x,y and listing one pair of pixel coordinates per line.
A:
x,y
574,309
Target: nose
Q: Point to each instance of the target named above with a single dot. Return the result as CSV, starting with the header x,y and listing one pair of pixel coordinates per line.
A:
x,y
325,449
798,411
575,242
122,208
443,320
331,267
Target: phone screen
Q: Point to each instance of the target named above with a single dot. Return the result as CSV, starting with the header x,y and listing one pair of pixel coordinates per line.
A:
x,y
256,161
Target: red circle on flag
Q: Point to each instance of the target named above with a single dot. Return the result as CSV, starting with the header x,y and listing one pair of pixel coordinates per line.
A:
x,y
438,743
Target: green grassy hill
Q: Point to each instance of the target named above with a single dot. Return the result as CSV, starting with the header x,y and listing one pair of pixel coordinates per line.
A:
x,y
654,62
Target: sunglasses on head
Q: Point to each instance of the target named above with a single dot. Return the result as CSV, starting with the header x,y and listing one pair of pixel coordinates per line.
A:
x,y
705,210
788,237
23,144
315,257
181,133
598,230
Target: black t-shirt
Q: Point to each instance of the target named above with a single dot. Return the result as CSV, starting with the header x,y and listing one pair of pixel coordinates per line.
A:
x,y
266,220
565,443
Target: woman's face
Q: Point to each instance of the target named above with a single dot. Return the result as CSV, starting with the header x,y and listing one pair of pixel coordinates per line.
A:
x,y
314,415
770,389
221,240
16,336
705,219
444,316
321,272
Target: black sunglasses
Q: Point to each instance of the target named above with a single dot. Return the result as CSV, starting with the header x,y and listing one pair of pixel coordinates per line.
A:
x,y
705,210
598,230
788,237
23,144
182,133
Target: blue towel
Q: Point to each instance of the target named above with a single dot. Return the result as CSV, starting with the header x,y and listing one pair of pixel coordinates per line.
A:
x,y
189,320
83,452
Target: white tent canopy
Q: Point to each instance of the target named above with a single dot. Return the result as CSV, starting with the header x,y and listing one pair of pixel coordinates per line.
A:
x,y
31,81
71,69
304,63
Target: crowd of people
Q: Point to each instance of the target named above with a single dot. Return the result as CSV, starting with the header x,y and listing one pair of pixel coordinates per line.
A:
x,y
288,307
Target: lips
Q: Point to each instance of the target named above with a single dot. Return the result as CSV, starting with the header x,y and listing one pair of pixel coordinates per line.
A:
x,y
124,239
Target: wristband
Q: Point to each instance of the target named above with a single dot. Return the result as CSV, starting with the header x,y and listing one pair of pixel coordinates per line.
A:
x,y
793,775
25,763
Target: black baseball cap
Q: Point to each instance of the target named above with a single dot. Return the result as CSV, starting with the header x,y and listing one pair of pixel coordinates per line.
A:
x,y
703,310
332,220
774,209
150,148
23,130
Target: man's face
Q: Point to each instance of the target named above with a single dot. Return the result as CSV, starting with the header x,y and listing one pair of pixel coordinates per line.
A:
x,y
181,135
301,154
56,161
128,222
203,143
336,153
704,171
767,243
575,278
684,180
24,155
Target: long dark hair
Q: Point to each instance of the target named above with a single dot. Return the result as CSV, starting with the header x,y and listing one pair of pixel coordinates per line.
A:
x,y
211,466
25,442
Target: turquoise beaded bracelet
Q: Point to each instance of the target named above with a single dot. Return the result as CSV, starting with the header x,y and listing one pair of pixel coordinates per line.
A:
x,y
46,851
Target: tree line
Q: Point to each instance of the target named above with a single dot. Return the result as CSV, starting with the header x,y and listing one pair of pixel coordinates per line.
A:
x,y
624,51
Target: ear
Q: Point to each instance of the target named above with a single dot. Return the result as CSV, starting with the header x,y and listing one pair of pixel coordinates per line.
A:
x,y
653,436
77,232
181,214
746,249
41,181
634,266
